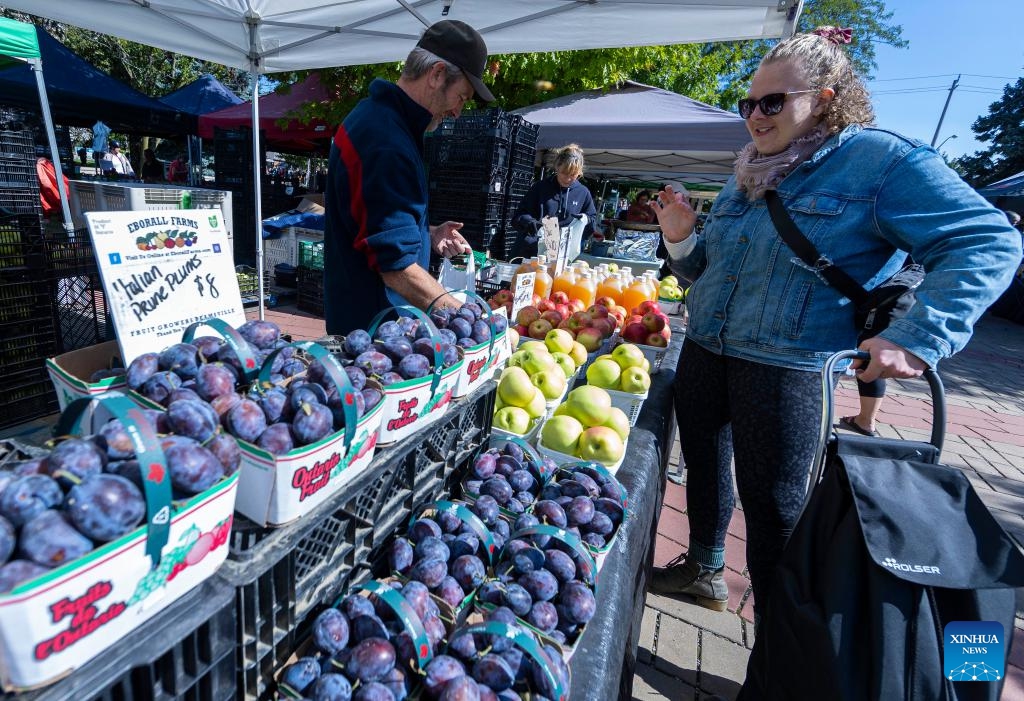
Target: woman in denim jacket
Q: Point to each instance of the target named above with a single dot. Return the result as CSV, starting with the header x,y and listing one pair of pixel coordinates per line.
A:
x,y
762,322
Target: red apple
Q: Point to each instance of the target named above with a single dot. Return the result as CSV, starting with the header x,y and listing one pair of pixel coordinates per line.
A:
x,y
606,301
590,338
553,317
574,324
559,297
657,340
522,330
564,310
539,329
503,297
536,299
648,306
527,315
577,305
598,311
567,325
546,305
653,322
635,319
618,316
635,332
606,326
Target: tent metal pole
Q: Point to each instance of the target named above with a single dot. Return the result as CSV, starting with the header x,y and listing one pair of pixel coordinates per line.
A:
x,y
257,170
37,68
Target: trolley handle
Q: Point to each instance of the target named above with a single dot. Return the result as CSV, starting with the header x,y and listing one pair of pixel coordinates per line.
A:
x,y
828,383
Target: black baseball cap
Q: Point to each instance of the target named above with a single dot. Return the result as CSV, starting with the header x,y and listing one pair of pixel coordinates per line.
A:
x,y
462,46
114,144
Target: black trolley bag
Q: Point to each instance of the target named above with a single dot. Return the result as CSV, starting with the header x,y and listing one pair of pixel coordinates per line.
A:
x,y
890,547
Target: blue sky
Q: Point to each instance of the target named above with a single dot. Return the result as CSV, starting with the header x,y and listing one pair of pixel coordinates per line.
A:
x,y
979,38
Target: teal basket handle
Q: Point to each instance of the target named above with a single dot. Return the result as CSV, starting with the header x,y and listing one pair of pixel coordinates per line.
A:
x,y
346,392
586,564
467,517
526,642
156,480
470,294
435,337
234,339
397,603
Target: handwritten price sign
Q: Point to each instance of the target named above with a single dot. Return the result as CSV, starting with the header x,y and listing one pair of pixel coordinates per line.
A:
x,y
522,296
164,270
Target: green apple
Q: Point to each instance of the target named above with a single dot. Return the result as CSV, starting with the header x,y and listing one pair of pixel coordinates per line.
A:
x,y
578,353
550,382
561,410
628,356
618,422
536,361
535,346
512,419
515,388
565,361
498,404
538,406
670,278
646,367
600,444
559,341
516,359
604,373
561,434
589,404
634,381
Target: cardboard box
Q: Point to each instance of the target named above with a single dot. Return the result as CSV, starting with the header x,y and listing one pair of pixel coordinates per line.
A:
x,y
275,490
70,372
410,405
59,621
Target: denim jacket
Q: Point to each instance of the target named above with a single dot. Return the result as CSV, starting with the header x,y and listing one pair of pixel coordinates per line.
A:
x,y
865,199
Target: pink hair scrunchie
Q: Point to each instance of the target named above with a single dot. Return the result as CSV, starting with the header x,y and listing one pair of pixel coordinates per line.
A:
x,y
837,35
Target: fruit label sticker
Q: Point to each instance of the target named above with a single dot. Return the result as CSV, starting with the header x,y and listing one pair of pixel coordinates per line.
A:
x,y
162,271
523,295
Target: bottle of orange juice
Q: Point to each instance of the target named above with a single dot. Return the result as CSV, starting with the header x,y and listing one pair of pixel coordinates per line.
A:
x,y
635,294
564,281
650,277
584,289
542,284
610,287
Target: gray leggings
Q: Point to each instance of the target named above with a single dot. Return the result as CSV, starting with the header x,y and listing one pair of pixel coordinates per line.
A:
x,y
768,417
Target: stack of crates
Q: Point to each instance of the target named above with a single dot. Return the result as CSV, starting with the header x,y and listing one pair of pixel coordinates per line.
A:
x,y
81,312
311,277
233,170
27,334
520,179
476,165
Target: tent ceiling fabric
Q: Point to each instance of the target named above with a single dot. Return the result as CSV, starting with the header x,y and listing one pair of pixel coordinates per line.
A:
x,y
635,130
285,35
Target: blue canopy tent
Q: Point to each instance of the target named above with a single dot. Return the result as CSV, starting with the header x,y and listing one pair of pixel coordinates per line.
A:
x,y
79,94
204,94
1012,186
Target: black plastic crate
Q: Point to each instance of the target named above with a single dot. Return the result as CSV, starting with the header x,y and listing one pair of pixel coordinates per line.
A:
x,y
473,154
26,395
21,200
26,346
81,312
310,290
23,298
494,123
17,144
458,181
15,173
67,255
184,653
17,119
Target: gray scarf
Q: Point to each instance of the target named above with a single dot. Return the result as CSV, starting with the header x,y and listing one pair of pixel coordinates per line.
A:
x,y
756,174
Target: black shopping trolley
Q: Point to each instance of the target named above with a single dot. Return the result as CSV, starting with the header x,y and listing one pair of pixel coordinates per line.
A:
x,y
891,547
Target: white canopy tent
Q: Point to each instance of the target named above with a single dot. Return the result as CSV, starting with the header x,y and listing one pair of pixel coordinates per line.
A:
x,y
635,131
267,36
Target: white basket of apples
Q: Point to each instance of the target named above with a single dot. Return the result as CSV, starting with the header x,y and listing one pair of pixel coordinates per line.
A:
x,y
586,425
670,295
624,374
648,329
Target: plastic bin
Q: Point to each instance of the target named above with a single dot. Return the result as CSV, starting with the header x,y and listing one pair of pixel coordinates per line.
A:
x,y
185,652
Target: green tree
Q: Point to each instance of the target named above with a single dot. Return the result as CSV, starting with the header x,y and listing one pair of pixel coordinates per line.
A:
x,y
1003,128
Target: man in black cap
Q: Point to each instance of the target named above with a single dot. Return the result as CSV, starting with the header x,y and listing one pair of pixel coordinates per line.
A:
x,y
377,240
116,163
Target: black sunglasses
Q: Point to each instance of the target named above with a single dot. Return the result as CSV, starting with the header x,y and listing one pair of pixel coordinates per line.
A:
x,y
769,104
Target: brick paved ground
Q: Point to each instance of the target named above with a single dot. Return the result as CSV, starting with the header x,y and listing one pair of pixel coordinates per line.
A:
x,y
688,652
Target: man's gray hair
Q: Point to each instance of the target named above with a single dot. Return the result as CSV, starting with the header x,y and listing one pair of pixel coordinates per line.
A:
x,y
419,61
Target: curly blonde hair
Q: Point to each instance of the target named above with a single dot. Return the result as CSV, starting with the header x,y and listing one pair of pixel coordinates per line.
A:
x,y
568,157
825,65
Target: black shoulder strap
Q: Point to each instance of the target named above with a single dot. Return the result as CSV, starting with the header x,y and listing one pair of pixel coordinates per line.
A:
x,y
800,245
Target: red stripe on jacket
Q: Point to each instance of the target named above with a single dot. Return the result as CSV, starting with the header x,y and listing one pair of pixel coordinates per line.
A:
x,y
354,168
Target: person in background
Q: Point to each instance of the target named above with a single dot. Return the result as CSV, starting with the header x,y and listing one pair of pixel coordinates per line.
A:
x,y
378,240
560,195
640,211
762,324
116,163
1014,220
152,170
177,172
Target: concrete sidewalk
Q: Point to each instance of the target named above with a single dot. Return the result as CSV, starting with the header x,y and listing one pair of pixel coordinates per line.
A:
x,y
688,652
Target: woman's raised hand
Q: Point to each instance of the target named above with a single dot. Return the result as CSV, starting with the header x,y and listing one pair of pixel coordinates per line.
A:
x,y
674,213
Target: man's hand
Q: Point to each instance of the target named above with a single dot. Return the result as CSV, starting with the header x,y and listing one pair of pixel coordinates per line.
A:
x,y
887,361
674,213
446,240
